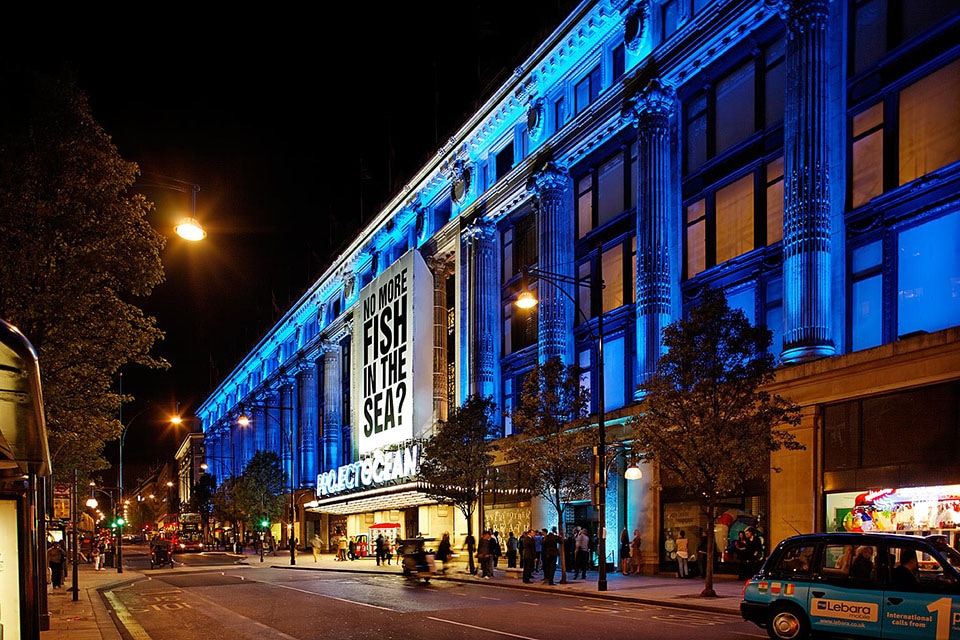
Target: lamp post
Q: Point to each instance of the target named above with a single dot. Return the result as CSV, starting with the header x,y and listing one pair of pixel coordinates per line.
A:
x,y
244,420
526,300
188,228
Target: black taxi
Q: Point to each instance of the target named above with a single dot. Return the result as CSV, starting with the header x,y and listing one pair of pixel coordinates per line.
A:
x,y
874,585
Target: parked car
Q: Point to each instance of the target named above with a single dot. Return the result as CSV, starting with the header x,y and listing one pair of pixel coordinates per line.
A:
x,y
876,585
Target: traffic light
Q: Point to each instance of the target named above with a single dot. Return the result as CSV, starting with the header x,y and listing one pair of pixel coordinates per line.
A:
x,y
264,523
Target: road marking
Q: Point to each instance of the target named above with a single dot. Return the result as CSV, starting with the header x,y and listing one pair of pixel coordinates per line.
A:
x,y
123,616
314,593
688,619
487,629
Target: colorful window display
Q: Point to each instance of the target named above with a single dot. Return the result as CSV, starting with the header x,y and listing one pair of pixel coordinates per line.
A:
x,y
905,509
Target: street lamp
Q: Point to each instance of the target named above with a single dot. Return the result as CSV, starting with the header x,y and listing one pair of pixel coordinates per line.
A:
x,y
188,228
527,300
244,420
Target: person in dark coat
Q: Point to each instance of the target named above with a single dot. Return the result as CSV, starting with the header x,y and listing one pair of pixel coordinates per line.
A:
x,y
512,551
528,556
379,549
57,559
551,551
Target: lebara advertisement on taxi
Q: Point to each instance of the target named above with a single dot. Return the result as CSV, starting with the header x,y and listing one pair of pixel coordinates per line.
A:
x,y
844,614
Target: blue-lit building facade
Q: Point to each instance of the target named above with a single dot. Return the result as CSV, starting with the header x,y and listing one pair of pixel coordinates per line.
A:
x,y
802,156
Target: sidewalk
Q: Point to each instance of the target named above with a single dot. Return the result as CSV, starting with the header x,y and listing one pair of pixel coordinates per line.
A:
x,y
88,618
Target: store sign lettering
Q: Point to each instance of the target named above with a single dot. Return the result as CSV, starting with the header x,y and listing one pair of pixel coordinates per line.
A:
x,y
379,468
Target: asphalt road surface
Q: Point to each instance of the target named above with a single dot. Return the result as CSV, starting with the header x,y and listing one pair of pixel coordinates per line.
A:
x,y
220,600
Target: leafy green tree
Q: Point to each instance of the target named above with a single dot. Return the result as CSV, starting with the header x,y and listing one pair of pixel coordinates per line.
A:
x,y
259,490
705,418
201,499
552,445
224,503
76,250
457,458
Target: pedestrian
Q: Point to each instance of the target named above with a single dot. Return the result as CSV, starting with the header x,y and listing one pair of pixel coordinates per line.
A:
x,y
512,551
624,552
379,549
752,554
702,548
316,544
470,544
570,550
352,549
551,551
683,554
342,548
582,554
528,555
538,544
444,551
495,549
484,557
97,557
56,558
636,559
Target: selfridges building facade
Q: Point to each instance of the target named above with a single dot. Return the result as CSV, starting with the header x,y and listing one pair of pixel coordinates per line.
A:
x,y
802,156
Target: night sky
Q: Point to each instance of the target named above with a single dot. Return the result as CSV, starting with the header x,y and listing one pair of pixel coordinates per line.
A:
x,y
297,128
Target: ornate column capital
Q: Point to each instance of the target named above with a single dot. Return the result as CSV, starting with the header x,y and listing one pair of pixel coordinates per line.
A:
x,y
652,106
551,178
441,264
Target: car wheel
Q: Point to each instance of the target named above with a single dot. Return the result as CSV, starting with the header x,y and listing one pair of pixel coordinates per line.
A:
x,y
787,622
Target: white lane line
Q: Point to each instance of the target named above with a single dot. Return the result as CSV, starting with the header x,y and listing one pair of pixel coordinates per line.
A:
x,y
322,595
470,626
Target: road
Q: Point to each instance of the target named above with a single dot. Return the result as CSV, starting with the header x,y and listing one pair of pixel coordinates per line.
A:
x,y
216,599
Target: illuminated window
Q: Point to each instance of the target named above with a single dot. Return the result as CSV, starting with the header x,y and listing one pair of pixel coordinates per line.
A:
x,y
774,182
587,90
614,192
734,215
930,123
867,157
696,237
584,205
866,310
928,276
613,264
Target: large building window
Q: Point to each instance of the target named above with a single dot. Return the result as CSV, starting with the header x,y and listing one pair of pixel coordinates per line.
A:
x,y
504,161
720,117
614,192
880,26
928,276
618,264
729,219
587,90
927,126
866,282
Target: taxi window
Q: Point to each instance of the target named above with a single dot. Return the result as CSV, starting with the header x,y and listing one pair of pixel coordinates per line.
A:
x,y
912,569
850,563
796,560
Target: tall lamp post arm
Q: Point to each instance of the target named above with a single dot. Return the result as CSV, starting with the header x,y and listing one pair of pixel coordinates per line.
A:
x,y
594,283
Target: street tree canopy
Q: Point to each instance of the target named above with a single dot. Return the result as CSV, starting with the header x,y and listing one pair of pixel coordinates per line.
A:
x,y
456,459
552,444
259,490
705,419
76,250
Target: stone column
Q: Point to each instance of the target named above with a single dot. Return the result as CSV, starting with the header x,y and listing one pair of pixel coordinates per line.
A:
x,y
442,268
309,422
289,431
555,230
483,303
807,274
332,452
654,210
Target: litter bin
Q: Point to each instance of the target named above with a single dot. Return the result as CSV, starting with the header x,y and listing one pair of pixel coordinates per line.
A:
x,y
108,559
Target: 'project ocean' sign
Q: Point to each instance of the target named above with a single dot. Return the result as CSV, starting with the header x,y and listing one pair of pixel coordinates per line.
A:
x,y
380,468
392,354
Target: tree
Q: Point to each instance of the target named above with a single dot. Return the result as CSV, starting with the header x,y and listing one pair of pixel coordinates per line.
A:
x,y
201,500
259,491
552,448
458,456
75,250
705,418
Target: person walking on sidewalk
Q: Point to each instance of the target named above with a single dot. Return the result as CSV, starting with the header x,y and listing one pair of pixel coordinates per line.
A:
x,y
636,559
551,551
56,558
316,544
683,553
583,554
97,557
